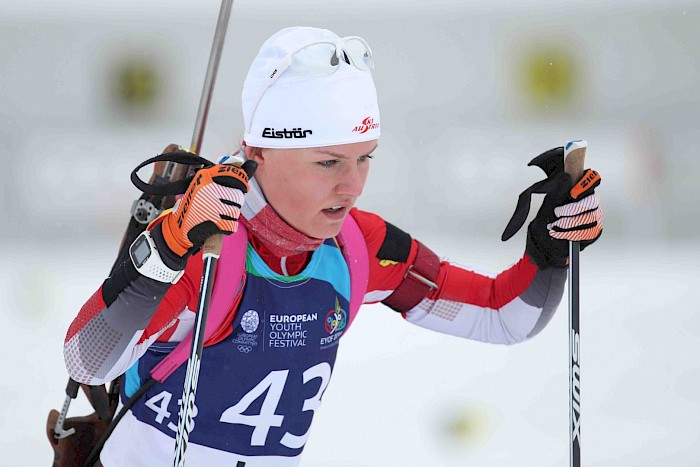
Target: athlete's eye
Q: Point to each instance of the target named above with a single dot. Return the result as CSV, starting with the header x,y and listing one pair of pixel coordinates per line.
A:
x,y
365,158
328,164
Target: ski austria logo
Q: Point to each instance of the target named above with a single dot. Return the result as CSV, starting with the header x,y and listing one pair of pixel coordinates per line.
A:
x,y
250,321
336,319
366,125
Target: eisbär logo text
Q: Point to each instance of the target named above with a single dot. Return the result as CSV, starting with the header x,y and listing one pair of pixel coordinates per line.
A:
x,y
366,125
293,133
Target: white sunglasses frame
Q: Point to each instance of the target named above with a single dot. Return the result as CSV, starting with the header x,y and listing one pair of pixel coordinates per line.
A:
x,y
286,62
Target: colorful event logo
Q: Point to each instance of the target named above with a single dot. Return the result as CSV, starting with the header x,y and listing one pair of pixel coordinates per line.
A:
x,y
336,319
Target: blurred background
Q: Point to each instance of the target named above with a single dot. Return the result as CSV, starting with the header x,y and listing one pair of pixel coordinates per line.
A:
x,y
469,93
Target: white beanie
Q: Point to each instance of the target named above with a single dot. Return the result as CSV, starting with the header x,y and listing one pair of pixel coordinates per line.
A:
x,y
304,109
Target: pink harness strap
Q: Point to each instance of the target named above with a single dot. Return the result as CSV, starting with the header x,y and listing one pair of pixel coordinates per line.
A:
x,y
354,248
229,270
231,267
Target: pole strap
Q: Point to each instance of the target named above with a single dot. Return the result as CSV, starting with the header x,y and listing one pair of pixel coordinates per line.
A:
x,y
169,188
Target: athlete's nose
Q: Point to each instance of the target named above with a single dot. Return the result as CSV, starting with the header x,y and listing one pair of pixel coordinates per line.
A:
x,y
352,181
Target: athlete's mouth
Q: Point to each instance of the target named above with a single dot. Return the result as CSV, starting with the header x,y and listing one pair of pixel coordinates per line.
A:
x,y
334,209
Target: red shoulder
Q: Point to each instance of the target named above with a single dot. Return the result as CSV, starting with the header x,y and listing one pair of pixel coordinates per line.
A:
x,y
373,229
390,251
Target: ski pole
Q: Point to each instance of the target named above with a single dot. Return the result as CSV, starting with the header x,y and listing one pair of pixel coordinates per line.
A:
x,y
574,154
210,251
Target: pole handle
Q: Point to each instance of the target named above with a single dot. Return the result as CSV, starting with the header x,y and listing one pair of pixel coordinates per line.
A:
x,y
574,155
212,247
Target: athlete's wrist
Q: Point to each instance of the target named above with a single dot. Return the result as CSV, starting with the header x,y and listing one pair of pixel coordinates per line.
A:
x,y
169,257
171,240
151,258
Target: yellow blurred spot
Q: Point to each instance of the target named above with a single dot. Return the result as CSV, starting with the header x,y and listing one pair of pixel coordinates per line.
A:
x,y
136,84
387,262
467,425
549,77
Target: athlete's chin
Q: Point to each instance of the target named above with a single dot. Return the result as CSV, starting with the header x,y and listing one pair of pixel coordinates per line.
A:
x,y
325,229
326,232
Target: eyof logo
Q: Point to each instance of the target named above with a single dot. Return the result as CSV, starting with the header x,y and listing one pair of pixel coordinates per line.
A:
x,y
366,125
336,319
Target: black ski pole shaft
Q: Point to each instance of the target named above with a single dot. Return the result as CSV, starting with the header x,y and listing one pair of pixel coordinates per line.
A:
x,y
574,155
210,251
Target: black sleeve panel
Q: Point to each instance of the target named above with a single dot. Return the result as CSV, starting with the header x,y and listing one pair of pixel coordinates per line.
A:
x,y
123,275
396,245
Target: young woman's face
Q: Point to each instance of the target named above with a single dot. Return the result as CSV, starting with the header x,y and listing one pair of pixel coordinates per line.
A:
x,y
313,189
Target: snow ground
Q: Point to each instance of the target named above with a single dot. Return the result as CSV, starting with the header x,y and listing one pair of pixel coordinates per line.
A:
x,y
398,389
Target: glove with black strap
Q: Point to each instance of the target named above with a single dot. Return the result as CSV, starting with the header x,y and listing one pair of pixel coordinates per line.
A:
x,y
211,205
568,213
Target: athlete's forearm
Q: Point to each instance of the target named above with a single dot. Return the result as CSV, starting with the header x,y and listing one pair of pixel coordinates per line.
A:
x,y
115,326
506,309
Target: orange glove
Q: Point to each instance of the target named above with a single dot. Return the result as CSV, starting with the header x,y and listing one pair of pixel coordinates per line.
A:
x,y
211,205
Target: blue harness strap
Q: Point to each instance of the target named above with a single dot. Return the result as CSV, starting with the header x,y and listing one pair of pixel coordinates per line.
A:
x,y
232,266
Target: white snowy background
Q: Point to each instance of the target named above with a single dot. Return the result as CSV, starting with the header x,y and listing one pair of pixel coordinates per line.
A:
x,y
459,127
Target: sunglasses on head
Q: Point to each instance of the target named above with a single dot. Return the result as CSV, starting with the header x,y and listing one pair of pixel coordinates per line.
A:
x,y
319,58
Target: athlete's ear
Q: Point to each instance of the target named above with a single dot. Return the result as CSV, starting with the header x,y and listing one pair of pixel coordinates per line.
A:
x,y
254,154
